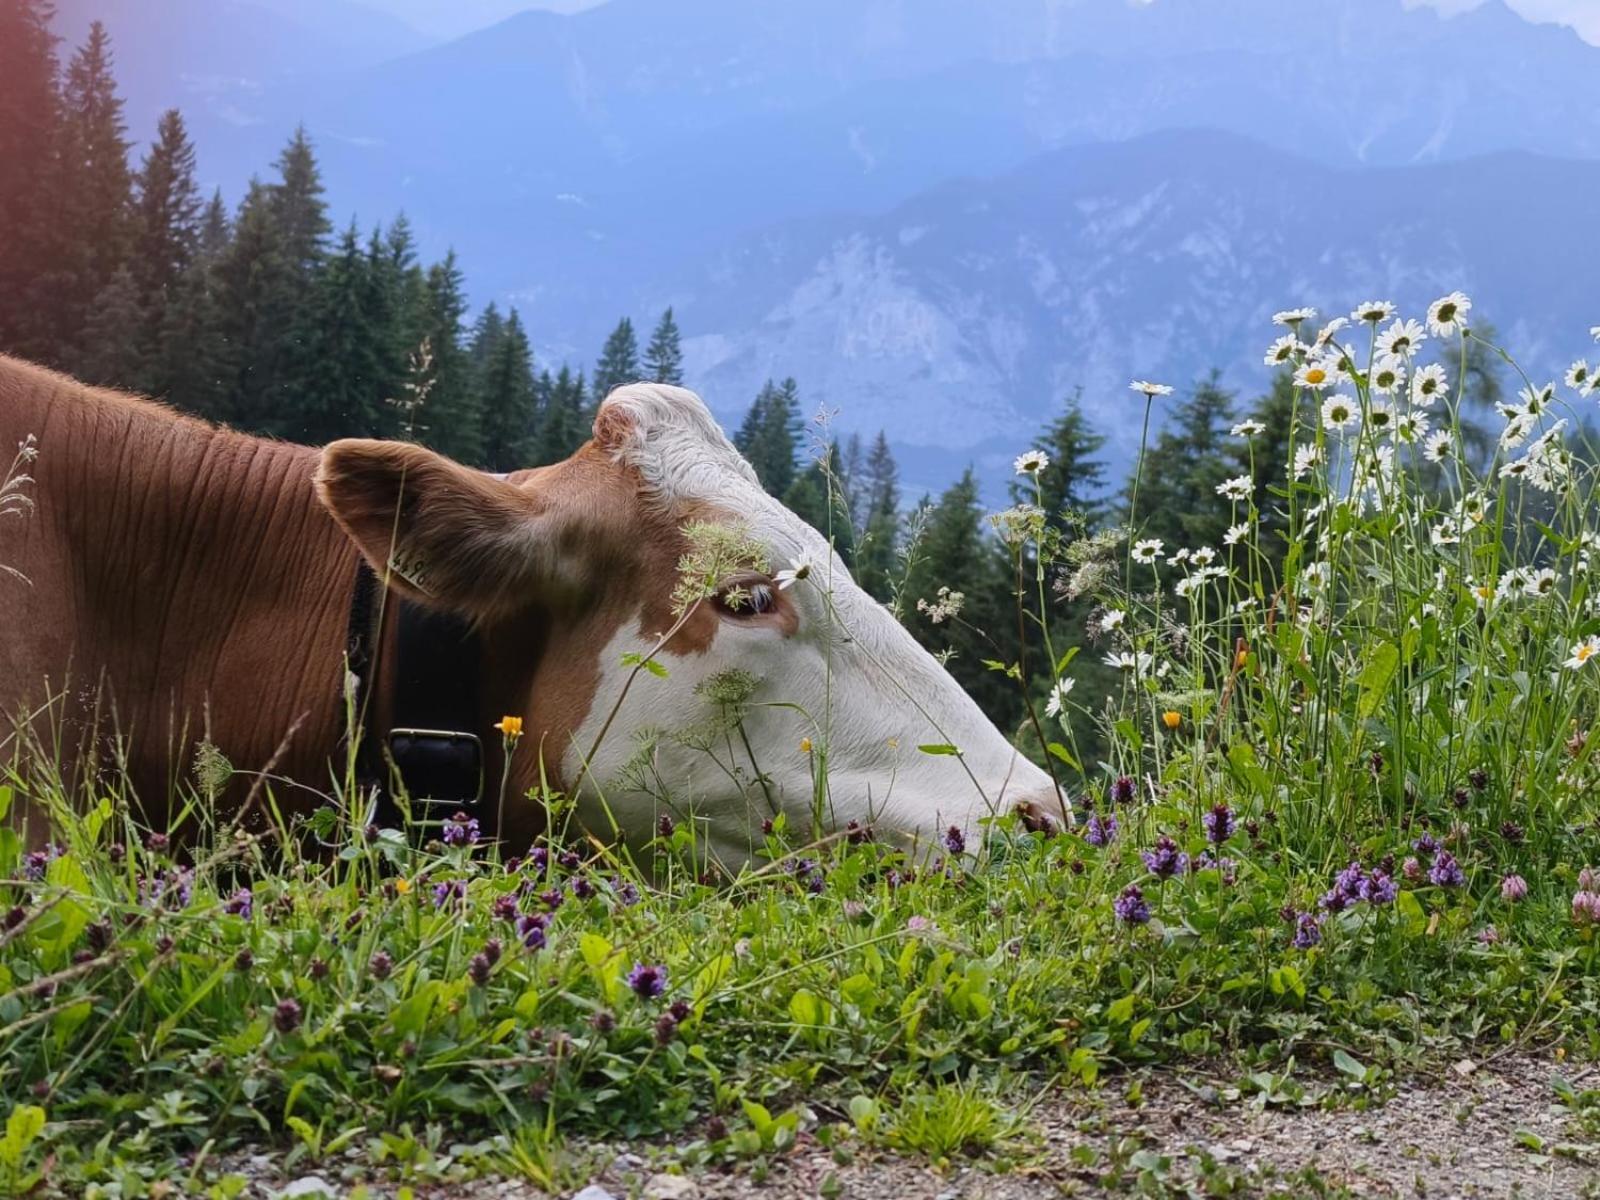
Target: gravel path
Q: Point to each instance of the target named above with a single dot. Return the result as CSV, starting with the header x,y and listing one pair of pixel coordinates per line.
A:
x,y
1490,1131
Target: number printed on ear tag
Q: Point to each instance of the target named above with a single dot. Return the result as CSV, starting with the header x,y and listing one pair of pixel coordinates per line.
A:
x,y
410,566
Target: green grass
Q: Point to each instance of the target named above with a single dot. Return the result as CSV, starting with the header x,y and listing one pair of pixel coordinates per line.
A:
x,y
146,1018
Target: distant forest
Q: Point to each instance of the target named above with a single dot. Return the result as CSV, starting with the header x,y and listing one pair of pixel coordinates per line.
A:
x,y
268,319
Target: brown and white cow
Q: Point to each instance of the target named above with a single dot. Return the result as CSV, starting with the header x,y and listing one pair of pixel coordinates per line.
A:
x,y
190,580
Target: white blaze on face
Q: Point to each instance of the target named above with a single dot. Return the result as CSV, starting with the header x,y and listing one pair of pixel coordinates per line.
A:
x,y
848,678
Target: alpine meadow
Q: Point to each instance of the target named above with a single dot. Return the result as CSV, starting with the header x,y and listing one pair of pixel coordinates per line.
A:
x,y
1199,796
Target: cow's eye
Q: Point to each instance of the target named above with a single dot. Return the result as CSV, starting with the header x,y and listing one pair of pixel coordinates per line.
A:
x,y
747,599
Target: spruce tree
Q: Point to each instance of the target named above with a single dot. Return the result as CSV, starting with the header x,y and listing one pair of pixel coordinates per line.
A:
x,y
1074,482
510,415
455,421
95,188
770,436
817,498
166,235
663,358
619,361
30,116
880,522
113,353
347,346
561,420
191,361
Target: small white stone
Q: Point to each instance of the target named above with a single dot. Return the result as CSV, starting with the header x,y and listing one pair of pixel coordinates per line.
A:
x,y
308,1185
670,1187
593,1192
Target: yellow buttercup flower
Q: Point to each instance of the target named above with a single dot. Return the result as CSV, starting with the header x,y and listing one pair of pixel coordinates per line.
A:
x,y
1171,719
805,745
402,886
510,726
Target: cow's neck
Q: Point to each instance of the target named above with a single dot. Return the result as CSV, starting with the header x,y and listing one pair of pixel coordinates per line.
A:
x,y
211,588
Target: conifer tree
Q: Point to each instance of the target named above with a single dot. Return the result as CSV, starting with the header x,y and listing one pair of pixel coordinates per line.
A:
x,y
817,498
165,237
561,423
1075,480
347,347
770,435
510,416
879,546
663,358
94,189
190,363
619,361
112,341
30,118
454,420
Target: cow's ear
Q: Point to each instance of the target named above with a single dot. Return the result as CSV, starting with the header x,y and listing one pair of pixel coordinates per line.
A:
x,y
439,532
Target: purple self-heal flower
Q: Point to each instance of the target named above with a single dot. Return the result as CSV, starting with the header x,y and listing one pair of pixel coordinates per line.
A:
x,y
447,890
1123,789
1446,872
530,928
1307,931
1098,830
538,859
505,907
1131,907
1426,844
581,887
460,830
1218,824
1379,888
647,981
240,904
1165,860
627,895
954,840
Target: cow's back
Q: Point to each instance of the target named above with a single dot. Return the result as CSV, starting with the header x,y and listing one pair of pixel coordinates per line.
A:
x,y
177,581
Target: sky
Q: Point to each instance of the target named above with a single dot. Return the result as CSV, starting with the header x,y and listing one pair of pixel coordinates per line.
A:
x,y
451,18
1582,15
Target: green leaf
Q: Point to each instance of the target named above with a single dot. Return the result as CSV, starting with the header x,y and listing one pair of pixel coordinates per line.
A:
x,y
1376,676
1061,752
938,748
1348,1065
1120,1011
808,1008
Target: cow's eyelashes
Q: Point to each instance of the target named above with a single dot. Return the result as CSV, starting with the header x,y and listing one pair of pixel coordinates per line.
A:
x,y
747,598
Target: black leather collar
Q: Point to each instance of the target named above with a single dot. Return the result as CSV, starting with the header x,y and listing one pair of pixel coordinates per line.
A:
x,y
431,743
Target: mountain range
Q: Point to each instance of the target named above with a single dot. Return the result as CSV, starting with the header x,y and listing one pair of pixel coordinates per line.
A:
x,y
941,216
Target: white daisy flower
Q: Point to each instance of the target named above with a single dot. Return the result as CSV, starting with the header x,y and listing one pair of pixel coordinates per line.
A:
x,y
1306,457
1137,663
1380,416
1237,488
1179,556
1373,311
1315,574
1594,332
1058,697
1292,317
1031,463
1235,534
1326,333
1438,447
1401,339
1411,426
1187,584
1248,429
1338,413
1541,583
1147,551
1150,390
1517,430
1536,400
1429,384
1288,348
1579,377
1388,375
1589,648
797,570
1447,315
1112,619
1203,557
1316,374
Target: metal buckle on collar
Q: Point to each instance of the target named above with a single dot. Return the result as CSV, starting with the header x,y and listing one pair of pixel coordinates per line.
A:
x,y
438,766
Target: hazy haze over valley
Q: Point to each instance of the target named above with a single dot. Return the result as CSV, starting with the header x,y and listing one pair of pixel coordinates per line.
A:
x,y
940,217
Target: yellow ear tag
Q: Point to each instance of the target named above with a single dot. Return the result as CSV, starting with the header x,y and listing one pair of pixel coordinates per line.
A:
x,y
410,566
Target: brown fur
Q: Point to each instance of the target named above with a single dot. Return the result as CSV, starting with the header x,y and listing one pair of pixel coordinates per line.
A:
x,y
190,579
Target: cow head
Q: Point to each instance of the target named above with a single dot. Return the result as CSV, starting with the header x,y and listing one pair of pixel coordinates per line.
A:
x,y
799,699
